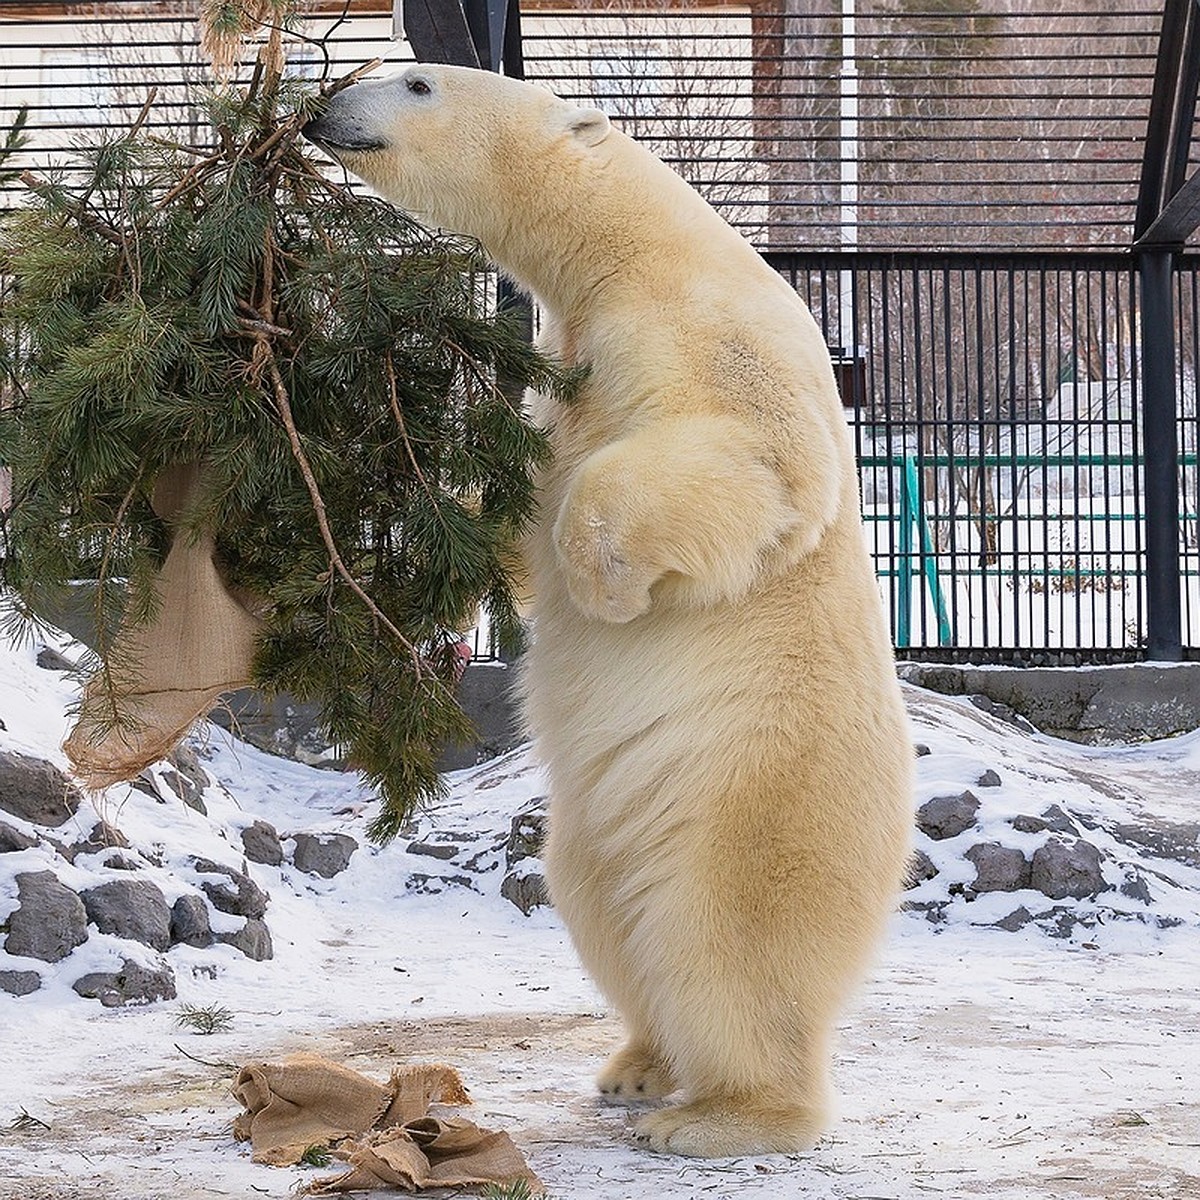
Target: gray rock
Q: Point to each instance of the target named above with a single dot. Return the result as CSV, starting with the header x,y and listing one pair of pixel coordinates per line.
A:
x,y
102,837
921,750
526,834
324,854
947,816
253,940
920,869
236,893
13,839
988,779
1053,819
1015,920
443,850
190,924
998,868
50,659
1136,887
130,908
36,791
261,844
132,984
433,885
20,983
1061,868
122,862
50,920
527,892
189,778
1166,839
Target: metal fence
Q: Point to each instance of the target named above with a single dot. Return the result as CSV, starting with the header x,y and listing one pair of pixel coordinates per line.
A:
x,y
953,194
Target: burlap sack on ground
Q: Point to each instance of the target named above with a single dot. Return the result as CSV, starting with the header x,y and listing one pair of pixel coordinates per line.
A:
x,y
385,1132
166,674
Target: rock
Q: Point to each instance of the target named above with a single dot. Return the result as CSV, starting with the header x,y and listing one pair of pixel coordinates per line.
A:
x,y
1061,868
190,924
102,837
130,908
36,791
1002,712
921,750
1015,920
442,850
527,892
189,778
20,983
947,816
1136,887
920,869
1166,839
236,894
50,920
132,984
12,839
122,862
988,779
998,868
526,834
261,844
50,659
1053,819
433,885
253,940
325,854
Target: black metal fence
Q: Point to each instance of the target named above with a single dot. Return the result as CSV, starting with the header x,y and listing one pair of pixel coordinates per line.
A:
x,y
953,194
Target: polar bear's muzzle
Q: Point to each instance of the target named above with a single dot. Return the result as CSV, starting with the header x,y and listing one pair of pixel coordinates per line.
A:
x,y
338,132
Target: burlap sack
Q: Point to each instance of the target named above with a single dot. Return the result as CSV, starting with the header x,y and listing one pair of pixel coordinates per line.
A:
x,y
303,1101
385,1133
433,1152
164,675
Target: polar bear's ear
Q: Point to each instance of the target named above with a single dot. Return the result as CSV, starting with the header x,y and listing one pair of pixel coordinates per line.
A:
x,y
589,125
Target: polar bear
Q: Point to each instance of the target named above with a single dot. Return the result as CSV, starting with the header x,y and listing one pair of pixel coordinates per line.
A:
x,y
710,679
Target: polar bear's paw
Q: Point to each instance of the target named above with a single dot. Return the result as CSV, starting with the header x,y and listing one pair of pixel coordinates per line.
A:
x,y
635,1073
719,1128
604,583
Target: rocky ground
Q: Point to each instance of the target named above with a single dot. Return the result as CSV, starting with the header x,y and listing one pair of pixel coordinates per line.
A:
x,y
1032,1031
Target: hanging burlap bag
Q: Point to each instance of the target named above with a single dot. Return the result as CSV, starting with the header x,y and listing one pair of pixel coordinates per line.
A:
x,y
164,675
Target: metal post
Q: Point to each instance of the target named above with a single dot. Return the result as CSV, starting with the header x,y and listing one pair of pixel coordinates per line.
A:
x,y
1164,641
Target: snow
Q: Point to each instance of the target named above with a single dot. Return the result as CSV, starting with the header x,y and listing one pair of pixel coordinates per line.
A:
x,y
975,1062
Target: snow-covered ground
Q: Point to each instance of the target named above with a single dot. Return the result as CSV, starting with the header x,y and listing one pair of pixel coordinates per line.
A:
x,y
976,1062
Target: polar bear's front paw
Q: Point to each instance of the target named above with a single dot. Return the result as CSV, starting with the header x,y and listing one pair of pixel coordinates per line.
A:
x,y
602,580
635,1073
719,1129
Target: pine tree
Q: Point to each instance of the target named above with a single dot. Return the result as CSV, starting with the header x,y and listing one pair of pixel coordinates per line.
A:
x,y
331,366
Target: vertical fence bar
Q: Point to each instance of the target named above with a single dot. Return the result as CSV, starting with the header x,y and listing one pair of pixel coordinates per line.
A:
x,y
1164,642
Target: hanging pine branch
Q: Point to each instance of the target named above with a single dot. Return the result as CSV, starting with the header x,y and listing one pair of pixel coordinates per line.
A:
x,y
318,371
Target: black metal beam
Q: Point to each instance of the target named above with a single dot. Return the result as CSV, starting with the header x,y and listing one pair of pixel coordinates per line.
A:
x,y
1172,114
1160,441
1179,219
438,32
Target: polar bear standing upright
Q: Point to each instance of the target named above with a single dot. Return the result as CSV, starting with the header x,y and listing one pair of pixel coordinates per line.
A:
x,y
710,680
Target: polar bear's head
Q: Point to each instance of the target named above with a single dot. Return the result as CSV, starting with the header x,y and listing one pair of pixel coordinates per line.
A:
x,y
456,146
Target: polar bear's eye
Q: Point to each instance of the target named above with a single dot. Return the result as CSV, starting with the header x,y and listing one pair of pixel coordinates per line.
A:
x,y
418,86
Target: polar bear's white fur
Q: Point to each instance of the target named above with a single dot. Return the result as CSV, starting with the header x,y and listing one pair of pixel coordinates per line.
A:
x,y
710,680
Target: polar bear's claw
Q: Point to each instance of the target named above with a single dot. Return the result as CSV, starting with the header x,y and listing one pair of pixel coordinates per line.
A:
x,y
634,1073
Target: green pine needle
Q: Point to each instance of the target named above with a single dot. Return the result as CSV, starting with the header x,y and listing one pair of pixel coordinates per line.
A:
x,y
152,293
